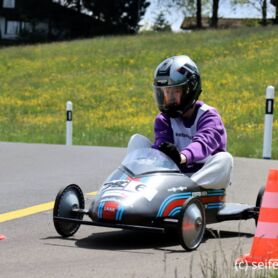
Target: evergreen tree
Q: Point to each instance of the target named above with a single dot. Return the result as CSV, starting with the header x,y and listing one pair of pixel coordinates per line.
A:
x,y
161,24
121,16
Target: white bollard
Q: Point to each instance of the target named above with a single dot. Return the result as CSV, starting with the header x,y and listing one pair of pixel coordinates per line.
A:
x,y
69,124
268,121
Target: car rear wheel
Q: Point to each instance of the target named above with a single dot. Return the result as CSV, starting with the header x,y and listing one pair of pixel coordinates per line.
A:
x,y
69,198
192,224
259,202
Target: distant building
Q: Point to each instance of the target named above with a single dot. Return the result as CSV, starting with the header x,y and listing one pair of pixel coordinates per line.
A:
x,y
176,16
235,15
38,20
190,22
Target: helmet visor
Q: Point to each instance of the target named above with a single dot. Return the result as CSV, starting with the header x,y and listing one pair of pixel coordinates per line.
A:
x,y
170,97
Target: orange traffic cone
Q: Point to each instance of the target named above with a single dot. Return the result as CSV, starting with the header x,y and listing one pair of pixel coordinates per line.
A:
x,y
2,237
265,243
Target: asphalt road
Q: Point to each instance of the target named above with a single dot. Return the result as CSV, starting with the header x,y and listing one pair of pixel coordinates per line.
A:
x,y
33,174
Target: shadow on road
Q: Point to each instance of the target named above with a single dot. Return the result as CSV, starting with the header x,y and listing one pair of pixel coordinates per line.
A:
x,y
130,240
126,240
211,233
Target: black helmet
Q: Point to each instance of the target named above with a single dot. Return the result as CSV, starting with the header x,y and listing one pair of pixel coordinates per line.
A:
x,y
177,85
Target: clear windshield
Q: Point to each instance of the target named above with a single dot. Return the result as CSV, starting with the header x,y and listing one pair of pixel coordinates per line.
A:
x,y
145,160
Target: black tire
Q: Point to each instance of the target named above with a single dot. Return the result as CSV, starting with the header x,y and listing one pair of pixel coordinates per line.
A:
x,y
68,198
260,197
259,202
192,224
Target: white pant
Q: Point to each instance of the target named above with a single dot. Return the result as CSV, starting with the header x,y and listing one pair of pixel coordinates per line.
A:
x,y
215,174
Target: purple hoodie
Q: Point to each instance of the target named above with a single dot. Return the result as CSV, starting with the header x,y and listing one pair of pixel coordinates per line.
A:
x,y
197,138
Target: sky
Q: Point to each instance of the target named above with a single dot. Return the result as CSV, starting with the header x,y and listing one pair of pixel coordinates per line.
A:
x,y
175,17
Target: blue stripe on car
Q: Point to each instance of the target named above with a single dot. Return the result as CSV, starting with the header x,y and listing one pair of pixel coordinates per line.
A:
x,y
100,209
214,205
120,212
216,192
171,198
175,211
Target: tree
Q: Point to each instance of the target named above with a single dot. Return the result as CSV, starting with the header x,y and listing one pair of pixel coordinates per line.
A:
x,y
264,11
261,4
199,13
116,16
120,16
161,24
275,3
189,8
73,4
214,18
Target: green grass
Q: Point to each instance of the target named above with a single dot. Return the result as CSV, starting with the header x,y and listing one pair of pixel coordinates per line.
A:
x,y
109,81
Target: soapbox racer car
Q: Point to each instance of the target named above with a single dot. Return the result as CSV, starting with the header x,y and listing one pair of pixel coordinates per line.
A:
x,y
148,192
